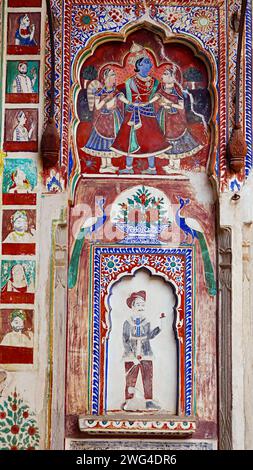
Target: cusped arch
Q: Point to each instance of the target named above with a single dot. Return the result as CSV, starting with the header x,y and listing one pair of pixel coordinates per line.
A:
x,y
163,33
175,320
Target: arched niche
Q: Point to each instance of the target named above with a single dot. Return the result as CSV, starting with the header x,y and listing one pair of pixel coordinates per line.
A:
x,y
150,384
197,80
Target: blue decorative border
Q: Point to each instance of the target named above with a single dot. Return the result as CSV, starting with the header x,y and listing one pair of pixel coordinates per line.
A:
x,y
129,250
248,88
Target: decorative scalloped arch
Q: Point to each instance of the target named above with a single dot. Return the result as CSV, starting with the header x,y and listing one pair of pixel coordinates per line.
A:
x,y
166,37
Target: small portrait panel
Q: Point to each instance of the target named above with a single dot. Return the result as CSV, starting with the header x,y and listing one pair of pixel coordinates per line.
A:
x,y
23,33
18,232
21,130
19,181
16,336
17,281
22,84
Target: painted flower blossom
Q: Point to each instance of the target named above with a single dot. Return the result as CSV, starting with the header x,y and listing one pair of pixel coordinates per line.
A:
x,y
14,429
157,261
172,18
203,19
87,20
143,260
128,260
116,15
111,264
18,425
174,264
212,42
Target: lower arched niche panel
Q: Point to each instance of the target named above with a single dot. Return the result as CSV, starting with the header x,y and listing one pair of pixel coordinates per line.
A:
x,y
140,377
142,360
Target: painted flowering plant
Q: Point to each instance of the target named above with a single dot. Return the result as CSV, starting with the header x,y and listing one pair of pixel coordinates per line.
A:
x,y
18,427
141,204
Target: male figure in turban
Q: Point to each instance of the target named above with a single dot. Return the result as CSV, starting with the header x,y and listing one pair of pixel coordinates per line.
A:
x,y
18,337
137,334
20,233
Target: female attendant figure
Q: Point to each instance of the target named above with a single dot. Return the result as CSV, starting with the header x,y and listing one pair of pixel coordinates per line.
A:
x,y
21,133
24,35
107,101
172,119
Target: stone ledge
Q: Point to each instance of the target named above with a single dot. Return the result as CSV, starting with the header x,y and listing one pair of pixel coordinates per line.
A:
x,y
137,424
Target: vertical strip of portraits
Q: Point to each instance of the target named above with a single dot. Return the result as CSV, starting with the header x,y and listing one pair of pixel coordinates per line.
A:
x,y
16,337
1,64
19,188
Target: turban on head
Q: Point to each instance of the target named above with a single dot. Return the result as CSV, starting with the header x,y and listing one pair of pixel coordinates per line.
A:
x,y
19,215
17,313
134,295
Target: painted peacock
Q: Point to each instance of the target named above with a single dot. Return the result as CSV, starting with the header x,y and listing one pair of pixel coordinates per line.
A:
x,y
90,225
192,227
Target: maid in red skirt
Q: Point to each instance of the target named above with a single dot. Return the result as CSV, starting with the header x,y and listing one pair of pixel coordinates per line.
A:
x,y
173,121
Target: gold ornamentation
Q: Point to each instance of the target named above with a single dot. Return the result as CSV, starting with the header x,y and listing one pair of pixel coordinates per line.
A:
x,y
3,155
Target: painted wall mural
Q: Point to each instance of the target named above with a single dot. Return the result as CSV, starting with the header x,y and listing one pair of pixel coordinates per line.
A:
x,y
142,108
18,232
16,336
18,281
23,35
19,187
174,265
150,251
19,427
21,130
19,181
22,84
151,87
205,22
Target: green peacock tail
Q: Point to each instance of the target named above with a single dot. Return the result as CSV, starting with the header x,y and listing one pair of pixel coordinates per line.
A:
x,y
74,261
208,267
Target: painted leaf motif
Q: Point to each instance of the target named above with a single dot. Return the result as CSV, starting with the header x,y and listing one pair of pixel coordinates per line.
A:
x,y
5,430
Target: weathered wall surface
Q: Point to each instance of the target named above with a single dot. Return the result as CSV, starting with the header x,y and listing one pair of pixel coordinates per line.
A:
x,y
143,188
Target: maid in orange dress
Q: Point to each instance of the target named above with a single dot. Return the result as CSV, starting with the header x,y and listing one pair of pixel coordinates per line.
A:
x,y
173,121
140,134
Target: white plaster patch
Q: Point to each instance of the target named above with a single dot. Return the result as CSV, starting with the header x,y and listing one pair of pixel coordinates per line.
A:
x,y
202,186
160,298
